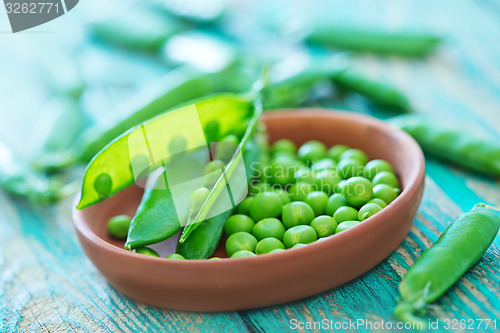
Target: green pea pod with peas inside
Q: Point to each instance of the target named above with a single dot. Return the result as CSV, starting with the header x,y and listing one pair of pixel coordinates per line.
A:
x,y
455,146
409,44
177,87
460,246
380,93
111,170
203,241
18,179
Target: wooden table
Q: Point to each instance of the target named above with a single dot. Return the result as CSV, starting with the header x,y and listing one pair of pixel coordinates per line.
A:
x,y
47,283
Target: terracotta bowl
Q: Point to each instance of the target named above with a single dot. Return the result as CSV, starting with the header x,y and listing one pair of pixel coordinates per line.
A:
x,y
234,284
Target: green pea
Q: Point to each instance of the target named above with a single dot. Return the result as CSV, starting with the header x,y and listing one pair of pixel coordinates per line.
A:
x,y
177,145
118,226
267,204
281,156
305,175
198,198
335,201
240,241
270,227
317,200
350,167
324,225
212,130
103,184
378,201
299,190
303,234
284,196
147,251
357,191
276,250
335,151
385,192
312,151
296,246
375,166
215,258
175,256
297,213
256,188
327,180
345,213
386,177
355,154
346,225
368,210
340,186
237,223
284,145
266,245
210,177
325,163
283,170
244,206
243,254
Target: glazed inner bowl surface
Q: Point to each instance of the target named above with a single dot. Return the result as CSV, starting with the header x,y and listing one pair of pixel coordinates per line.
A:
x,y
232,284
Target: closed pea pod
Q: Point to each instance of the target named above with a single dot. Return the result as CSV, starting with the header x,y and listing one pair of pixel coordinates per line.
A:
x,y
379,93
455,146
460,246
371,40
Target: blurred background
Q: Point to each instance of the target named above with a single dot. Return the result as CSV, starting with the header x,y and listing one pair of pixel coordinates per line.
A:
x,y
102,54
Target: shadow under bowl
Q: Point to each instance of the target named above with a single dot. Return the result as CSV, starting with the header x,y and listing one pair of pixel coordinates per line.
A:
x,y
243,283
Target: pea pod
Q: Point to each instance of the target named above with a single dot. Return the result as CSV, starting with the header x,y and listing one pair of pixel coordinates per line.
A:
x,y
455,146
229,180
203,241
18,179
371,40
112,169
378,92
61,122
155,219
460,246
292,80
179,86
136,28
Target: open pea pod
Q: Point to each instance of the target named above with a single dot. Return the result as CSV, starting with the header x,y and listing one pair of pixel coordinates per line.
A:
x,y
229,190
131,156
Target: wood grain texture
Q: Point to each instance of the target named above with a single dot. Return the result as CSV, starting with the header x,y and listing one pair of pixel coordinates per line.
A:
x,y
48,285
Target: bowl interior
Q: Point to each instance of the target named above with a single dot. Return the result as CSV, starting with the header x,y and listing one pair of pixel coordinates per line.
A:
x,y
375,138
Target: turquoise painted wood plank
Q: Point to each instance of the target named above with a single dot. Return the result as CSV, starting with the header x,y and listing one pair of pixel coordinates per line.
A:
x,y
47,281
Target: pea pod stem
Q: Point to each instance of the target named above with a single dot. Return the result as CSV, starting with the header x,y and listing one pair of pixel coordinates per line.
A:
x,y
460,246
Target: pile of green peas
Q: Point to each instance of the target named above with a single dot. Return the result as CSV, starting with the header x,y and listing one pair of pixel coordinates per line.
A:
x,y
306,194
